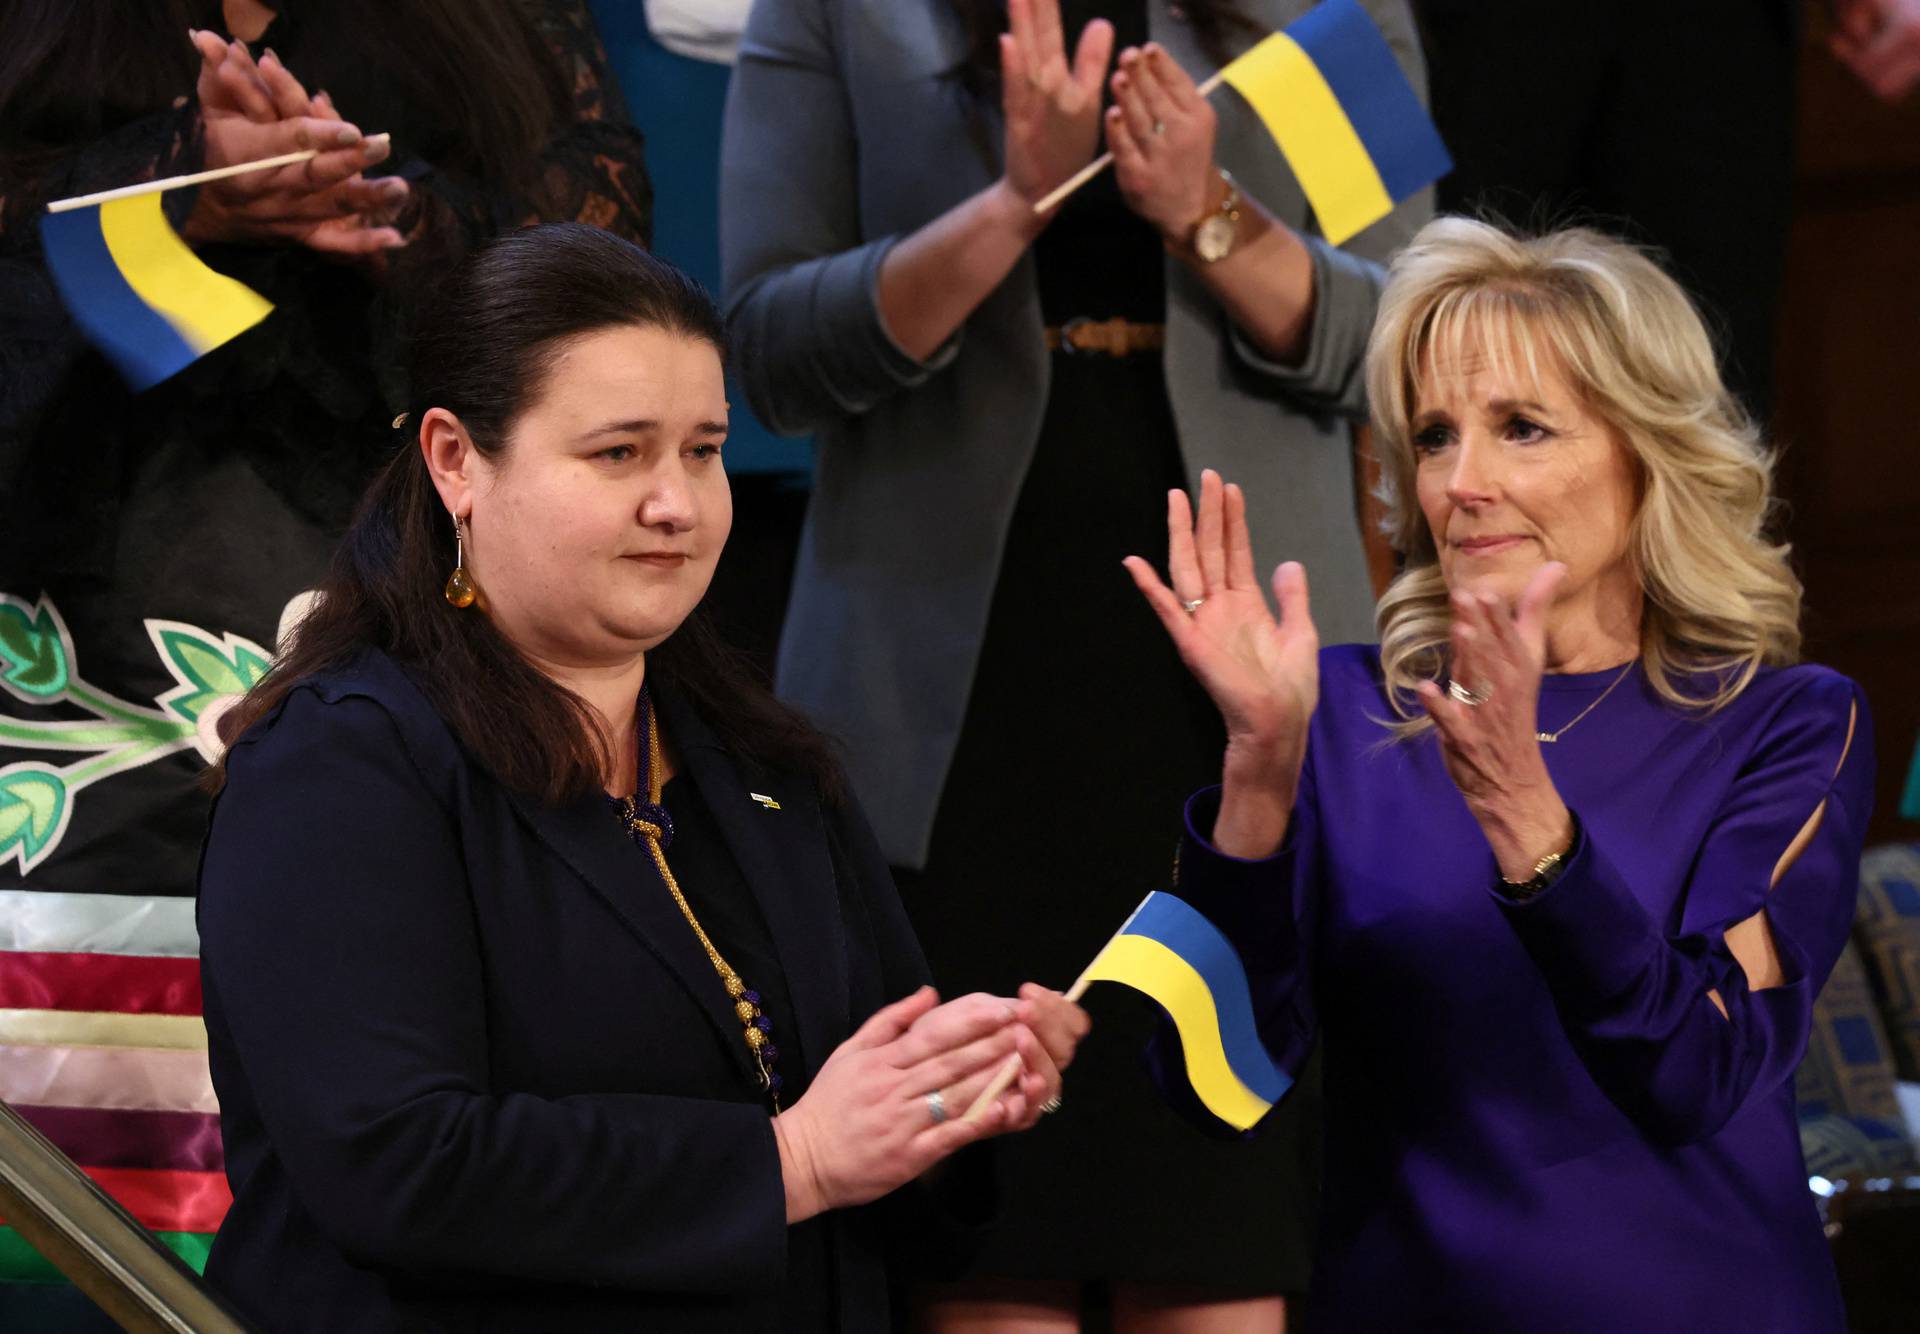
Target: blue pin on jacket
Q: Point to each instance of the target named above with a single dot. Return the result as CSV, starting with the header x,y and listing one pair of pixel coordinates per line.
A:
x,y
135,288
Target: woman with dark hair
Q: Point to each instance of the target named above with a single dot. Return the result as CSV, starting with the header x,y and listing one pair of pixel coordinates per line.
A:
x,y
1002,401
151,544
209,501
553,980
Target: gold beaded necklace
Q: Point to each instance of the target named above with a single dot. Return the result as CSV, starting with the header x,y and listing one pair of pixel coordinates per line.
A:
x,y
649,833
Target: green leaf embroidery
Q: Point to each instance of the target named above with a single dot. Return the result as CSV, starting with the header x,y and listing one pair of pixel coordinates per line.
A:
x,y
33,810
206,667
33,660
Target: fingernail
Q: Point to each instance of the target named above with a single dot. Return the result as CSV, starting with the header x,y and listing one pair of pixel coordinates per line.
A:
x,y
267,55
347,136
376,148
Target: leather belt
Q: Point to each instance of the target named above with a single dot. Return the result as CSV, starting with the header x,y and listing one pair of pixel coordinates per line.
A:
x,y
1115,337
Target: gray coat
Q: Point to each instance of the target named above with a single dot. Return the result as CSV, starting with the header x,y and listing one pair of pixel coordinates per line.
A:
x,y
846,131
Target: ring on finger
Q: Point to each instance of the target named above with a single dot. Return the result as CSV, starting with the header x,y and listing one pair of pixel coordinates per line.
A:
x,y
1159,127
1191,605
937,1106
1051,1105
1467,695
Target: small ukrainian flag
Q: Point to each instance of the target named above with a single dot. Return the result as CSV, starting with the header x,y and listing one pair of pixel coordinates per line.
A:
x,y
1333,97
138,292
1174,955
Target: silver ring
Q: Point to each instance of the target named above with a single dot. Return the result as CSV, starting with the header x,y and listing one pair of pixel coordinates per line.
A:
x,y
1051,1105
1191,607
1468,696
1159,127
937,1106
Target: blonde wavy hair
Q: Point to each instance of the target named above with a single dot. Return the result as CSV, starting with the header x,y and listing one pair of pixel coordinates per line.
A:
x,y
1720,597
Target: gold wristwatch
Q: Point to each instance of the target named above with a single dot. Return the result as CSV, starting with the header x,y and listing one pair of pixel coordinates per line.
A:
x,y
1545,871
1212,238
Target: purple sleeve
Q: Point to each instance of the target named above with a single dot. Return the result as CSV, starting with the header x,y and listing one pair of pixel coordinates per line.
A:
x,y
1634,1001
1266,908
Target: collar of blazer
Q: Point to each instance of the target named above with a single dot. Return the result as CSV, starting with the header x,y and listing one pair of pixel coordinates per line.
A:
x,y
783,855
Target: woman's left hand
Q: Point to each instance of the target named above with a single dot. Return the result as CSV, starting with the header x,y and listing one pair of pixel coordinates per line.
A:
x,y
1492,749
1161,131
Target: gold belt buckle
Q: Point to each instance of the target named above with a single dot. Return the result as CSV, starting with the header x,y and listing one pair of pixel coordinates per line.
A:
x,y
1067,332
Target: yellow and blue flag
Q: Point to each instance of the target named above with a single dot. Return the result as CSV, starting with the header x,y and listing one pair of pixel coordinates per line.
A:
x,y
1180,959
138,292
1329,90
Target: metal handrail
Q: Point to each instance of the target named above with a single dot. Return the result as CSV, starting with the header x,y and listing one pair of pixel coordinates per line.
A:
x,y
97,1244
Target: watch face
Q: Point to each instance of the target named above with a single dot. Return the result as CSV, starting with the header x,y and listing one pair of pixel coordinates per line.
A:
x,y
1213,238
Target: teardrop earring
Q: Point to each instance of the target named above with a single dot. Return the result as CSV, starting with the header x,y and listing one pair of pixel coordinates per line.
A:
x,y
460,591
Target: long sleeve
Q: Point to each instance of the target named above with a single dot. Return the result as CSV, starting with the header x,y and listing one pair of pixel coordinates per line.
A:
x,y
343,966
1347,279
801,281
1268,909
1634,1000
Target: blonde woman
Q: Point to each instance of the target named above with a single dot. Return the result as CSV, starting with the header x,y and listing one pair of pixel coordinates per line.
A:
x,y
1558,869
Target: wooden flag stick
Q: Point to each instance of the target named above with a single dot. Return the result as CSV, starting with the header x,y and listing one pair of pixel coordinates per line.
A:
x,y
1105,160
176,182
1010,1069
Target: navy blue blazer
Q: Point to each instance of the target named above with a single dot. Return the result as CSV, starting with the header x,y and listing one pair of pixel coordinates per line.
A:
x,y
474,1070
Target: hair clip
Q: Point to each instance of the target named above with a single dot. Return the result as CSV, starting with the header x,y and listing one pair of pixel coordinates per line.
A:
x,y
399,421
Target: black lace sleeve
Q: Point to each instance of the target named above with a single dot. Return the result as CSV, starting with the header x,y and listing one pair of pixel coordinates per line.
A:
x,y
593,170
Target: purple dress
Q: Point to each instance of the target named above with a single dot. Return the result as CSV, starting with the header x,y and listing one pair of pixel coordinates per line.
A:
x,y
1536,1117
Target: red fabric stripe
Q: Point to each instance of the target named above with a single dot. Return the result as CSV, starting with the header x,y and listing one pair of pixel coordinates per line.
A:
x,y
167,1201
120,983
126,1137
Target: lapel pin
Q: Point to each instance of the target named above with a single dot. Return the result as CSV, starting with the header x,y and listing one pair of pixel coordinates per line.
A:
x,y
765,800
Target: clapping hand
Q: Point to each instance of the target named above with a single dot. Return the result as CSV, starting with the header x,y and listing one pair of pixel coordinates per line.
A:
x,y
1263,674
253,110
1488,721
887,1104
1161,131
1052,109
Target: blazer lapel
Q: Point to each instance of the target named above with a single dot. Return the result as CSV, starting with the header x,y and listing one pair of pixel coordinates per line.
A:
x,y
588,839
783,855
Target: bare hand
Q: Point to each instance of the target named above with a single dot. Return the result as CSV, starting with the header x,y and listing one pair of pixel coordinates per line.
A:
x,y
1052,110
1060,1024
258,110
865,1125
1492,749
1161,131
1880,41
1263,675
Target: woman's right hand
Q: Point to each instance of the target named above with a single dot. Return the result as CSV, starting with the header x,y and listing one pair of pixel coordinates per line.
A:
x,y
1263,675
865,1126
1052,109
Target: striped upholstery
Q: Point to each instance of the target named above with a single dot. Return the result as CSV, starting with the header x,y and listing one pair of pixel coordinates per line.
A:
x,y
1887,929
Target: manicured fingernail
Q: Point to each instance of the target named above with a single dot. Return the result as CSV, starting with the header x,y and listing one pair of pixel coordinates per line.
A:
x,y
377,147
267,55
347,136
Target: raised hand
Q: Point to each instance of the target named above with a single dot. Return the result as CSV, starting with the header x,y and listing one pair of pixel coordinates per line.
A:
x,y
1491,747
1052,109
1161,131
866,1124
1263,675
254,110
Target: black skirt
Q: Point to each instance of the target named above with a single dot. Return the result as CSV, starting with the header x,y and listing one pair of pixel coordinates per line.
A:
x,y
1083,737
